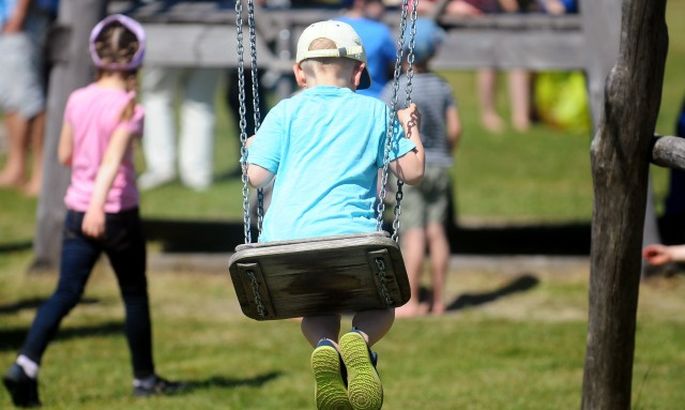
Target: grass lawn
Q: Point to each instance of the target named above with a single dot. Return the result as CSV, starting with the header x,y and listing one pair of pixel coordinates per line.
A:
x,y
522,350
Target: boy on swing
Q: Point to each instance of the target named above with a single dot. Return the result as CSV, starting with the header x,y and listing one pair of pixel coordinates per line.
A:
x,y
326,144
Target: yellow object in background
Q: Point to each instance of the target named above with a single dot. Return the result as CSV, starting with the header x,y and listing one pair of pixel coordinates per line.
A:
x,y
561,100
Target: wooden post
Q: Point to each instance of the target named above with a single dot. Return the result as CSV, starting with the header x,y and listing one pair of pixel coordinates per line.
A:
x,y
620,153
72,70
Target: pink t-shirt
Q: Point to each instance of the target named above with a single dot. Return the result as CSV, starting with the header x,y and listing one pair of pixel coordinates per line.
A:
x,y
94,113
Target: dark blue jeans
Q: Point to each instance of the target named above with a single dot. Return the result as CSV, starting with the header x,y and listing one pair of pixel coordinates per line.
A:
x,y
124,245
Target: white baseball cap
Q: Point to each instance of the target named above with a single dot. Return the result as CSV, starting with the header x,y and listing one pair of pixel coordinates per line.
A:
x,y
347,43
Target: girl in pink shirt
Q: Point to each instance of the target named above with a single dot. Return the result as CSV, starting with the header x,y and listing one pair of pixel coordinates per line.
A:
x,y
101,121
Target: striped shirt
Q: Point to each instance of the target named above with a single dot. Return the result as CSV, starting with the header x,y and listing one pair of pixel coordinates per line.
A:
x,y
433,96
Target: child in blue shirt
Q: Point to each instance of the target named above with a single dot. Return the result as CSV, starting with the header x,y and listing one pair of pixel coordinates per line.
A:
x,y
326,145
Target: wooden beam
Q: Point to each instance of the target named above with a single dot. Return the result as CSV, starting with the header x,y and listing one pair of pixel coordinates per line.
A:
x,y
190,33
77,18
669,152
203,45
472,48
214,46
620,152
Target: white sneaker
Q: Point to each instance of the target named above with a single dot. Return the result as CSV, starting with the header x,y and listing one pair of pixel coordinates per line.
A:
x,y
151,180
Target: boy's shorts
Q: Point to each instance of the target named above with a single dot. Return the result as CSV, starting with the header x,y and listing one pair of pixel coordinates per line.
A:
x,y
21,86
428,201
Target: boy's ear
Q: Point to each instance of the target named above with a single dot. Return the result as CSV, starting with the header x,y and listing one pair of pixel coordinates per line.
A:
x,y
300,78
357,74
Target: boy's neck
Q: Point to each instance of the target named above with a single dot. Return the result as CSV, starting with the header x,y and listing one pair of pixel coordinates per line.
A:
x,y
328,80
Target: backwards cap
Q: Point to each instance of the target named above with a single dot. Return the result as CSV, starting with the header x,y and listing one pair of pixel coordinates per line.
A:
x,y
130,24
347,45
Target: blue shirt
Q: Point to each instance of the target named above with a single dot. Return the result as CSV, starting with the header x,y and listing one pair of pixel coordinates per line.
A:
x,y
380,51
6,10
325,146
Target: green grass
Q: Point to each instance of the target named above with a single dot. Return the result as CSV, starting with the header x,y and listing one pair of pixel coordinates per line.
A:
x,y
521,351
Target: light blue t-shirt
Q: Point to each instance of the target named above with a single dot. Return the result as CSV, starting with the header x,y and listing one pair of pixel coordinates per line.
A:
x,y
380,51
325,146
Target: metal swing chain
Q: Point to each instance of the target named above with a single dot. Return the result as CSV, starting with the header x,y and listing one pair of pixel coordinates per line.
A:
x,y
399,195
380,264
261,310
243,111
243,121
392,117
255,98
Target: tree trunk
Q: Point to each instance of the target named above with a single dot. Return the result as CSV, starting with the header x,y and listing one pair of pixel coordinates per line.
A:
x,y
73,70
620,161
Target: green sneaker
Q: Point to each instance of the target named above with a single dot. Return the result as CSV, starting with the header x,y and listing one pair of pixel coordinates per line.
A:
x,y
364,387
330,390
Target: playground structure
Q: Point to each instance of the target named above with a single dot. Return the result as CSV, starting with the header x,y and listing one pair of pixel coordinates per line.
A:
x,y
621,150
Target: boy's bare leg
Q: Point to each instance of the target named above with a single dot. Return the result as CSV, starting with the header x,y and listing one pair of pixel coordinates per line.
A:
x,y
413,250
37,129
374,323
439,250
17,131
487,91
519,94
314,328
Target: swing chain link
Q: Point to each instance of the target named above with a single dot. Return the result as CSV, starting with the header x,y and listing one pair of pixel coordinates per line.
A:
x,y
243,121
397,211
252,27
243,111
399,195
411,57
261,310
392,120
380,263
392,117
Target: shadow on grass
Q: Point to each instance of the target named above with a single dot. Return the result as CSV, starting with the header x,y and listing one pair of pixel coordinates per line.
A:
x,y
34,303
15,246
12,338
207,236
229,383
523,283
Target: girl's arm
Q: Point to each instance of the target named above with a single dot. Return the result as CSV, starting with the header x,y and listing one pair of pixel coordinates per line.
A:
x,y
410,166
94,220
66,145
452,126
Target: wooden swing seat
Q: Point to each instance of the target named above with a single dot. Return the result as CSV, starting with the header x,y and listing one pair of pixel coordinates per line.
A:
x,y
333,274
